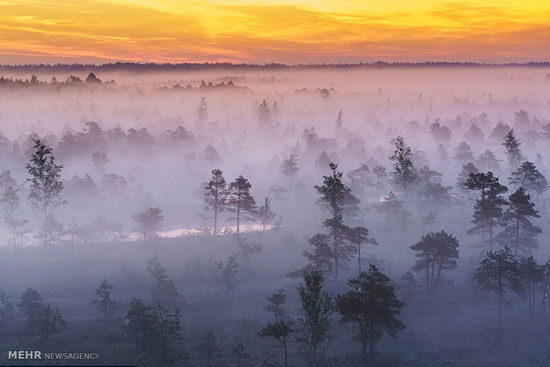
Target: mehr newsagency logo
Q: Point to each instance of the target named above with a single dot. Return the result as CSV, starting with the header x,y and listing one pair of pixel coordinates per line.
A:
x,y
39,355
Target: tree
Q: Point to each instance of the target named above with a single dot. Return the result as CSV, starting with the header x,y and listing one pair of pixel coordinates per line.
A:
x,y
531,274
202,111
229,271
45,179
239,354
265,214
499,272
30,304
530,178
6,308
463,153
209,347
373,306
403,170
316,305
157,332
10,204
163,287
394,211
337,197
545,287
441,133
358,236
50,321
105,302
99,159
488,207
275,305
246,250
163,336
339,120
137,320
290,169
488,161
264,112
359,179
149,221
240,201
463,176
210,155
215,196
428,219
519,233
321,257
513,152
436,251
279,331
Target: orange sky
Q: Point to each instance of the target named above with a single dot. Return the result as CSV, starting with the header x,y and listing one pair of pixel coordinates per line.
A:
x,y
286,31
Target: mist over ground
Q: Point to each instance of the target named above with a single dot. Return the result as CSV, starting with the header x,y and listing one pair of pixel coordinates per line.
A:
x,y
135,158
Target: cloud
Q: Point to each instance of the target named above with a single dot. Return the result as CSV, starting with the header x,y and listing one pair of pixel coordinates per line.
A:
x,y
267,31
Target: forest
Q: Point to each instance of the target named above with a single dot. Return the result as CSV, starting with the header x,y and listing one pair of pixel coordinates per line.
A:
x,y
224,216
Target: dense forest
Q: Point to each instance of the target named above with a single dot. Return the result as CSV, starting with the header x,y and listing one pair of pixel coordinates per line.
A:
x,y
276,217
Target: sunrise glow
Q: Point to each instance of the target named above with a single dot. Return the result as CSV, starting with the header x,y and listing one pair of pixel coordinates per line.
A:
x,y
288,31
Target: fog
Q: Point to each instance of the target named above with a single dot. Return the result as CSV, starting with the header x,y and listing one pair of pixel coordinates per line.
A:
x,y
135,152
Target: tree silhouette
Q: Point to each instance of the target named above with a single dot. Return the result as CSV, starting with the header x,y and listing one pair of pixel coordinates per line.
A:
x,y
105,302
149,221
436,251
499,272
215,196
513,152
240,201
403,169
316,305
519,233
373,306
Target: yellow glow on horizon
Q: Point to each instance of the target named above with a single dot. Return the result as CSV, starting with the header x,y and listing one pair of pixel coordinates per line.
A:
x,y
288,31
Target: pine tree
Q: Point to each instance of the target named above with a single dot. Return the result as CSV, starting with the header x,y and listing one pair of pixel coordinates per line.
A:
x,y
403,170
209,347
46,185
290,169
265,214
360,179
463,153
281,329
239,354
488,208
316,305
215,196
105,302
373,306
321,257
149,221
163,287
240,201
358,236
531,275
519,233
488,161
436,251
337,197
513,152
530,178
202,111
499,272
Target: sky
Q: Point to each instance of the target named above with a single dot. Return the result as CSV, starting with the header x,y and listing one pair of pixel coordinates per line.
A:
x,y
264,31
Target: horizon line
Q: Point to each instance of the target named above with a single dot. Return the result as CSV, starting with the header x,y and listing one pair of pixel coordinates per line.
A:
x,y
157,65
